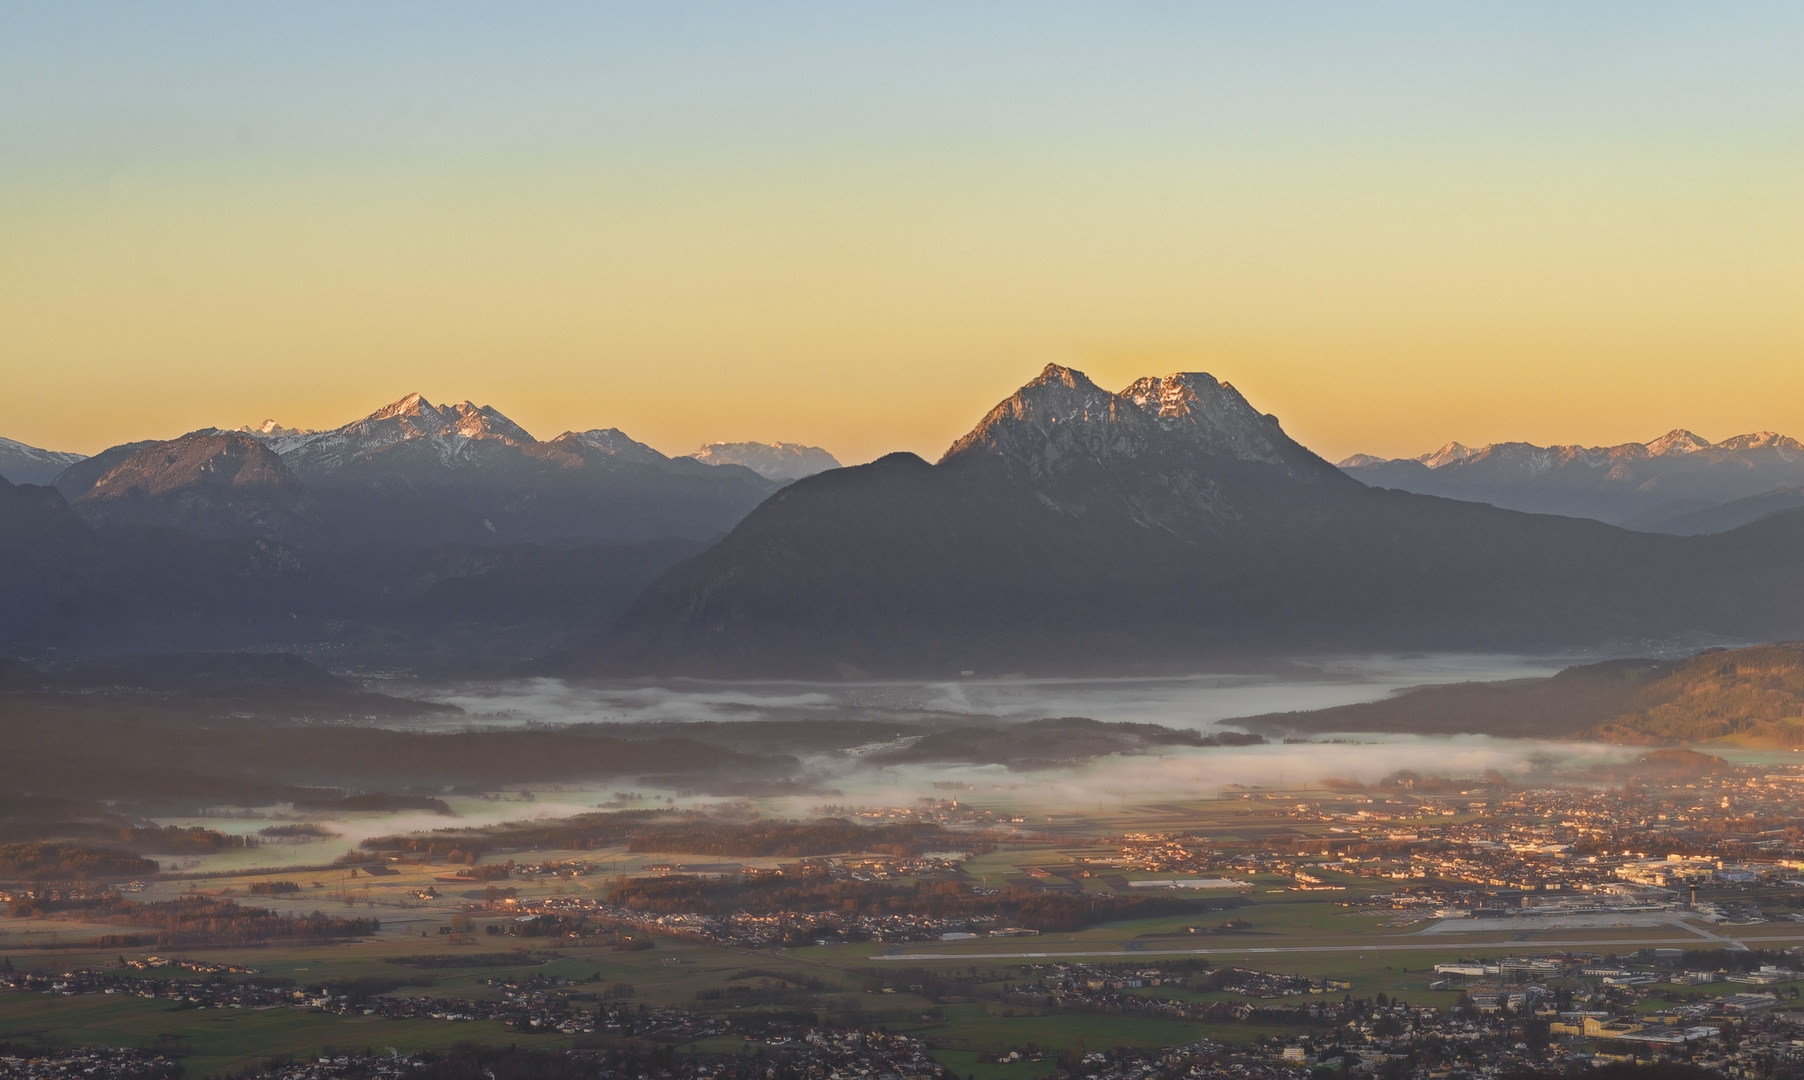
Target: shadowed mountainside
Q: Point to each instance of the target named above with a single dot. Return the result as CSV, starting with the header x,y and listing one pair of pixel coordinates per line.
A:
x,y
68,587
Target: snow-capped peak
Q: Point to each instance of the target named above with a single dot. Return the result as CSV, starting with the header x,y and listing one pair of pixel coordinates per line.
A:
x,y
613,442
1677,441
23,464
774,461
412,405
447,429
1759,440
1447,455
269,429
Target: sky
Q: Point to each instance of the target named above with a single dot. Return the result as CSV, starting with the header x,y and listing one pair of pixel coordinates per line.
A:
x,y
859,226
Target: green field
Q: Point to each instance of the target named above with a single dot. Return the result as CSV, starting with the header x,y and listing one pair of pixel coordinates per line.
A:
x,y
218,1040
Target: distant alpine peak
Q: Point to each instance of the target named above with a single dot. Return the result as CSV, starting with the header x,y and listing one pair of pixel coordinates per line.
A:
x,y
613,442
783,461
22,464
1760,440
414,417
1062,417
1678,442
412,405
269,429
448,430
1446,455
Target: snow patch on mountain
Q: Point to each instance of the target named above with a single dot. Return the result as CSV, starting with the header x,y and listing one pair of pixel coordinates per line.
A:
x,y
269,429
1675,443
613,442
446,430
22,464
782,461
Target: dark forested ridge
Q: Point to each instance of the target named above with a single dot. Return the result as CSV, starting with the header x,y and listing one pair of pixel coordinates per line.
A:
x,y
68,587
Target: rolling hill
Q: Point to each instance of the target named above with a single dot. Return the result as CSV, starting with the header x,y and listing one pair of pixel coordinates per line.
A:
x,y
1754,695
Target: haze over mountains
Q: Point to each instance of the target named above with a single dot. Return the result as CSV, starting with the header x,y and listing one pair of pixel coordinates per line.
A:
x,y
1169,526
1679,483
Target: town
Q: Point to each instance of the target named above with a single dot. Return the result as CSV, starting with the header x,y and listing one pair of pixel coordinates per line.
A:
x,y
1509,929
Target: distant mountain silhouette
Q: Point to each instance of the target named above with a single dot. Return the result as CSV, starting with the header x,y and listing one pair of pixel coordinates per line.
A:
x,y
1725,516
1168,526
1653,486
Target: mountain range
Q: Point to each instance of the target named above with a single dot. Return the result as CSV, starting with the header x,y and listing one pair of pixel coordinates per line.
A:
x,y
1166,527
416,473
421,526
1679,483
1169,526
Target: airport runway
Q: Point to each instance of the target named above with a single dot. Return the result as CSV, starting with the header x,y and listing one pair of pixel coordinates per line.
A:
x,y
1251,950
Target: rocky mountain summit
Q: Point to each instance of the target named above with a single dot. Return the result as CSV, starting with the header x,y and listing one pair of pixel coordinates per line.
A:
x,y
1663,485
1182,452
432,433
1062,421
225,484
781,461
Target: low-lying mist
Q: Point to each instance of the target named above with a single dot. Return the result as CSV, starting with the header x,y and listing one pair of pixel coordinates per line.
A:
x,y
1199,702
839,736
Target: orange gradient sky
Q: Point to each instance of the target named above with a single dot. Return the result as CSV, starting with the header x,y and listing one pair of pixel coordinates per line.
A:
x,y
1391,227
